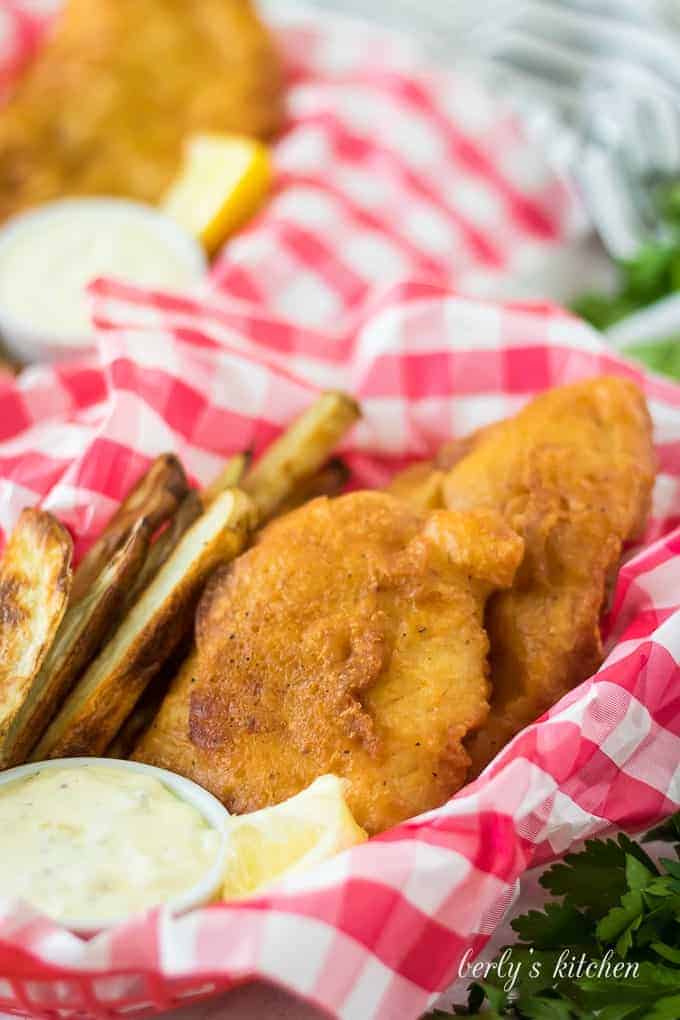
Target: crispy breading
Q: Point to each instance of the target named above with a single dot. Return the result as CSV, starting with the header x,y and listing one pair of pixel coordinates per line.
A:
x,y
349,639
83,630
572,473
108,102
148,634
419,485
35,580
154,498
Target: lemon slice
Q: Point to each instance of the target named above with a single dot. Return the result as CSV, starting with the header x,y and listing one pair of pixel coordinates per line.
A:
x,y
223,180
290,837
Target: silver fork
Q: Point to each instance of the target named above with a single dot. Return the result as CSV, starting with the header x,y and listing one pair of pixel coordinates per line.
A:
x,y
597,83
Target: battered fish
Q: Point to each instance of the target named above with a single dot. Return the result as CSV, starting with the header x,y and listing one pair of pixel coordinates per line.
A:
x,y
572,473
107,104
349,639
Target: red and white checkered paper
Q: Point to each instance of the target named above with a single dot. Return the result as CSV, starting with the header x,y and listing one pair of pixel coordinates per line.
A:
x,y
384,172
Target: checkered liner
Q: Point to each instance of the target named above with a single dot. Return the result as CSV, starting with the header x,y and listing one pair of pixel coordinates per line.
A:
x,y
297,305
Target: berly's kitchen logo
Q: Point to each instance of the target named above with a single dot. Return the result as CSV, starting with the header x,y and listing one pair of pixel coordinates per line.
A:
x,y
567,965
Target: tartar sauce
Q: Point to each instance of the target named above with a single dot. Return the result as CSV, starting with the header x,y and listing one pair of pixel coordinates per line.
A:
x,y
97,842
49,256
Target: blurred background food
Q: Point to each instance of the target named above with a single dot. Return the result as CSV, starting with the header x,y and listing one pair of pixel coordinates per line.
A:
x,y
118,86
127,99
170,103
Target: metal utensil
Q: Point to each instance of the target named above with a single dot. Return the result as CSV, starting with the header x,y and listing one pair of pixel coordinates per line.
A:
x,y
597,83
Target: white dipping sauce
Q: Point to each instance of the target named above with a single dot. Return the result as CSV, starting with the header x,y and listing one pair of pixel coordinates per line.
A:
x,y
99,842
49,256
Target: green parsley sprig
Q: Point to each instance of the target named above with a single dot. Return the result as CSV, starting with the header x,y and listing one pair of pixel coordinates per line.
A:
x,y
606,948
653,273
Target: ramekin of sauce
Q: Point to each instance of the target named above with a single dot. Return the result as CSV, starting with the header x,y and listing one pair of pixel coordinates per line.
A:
x,y
92,841
50,254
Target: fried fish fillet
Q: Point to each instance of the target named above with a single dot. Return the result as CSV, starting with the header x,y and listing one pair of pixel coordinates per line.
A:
x,y
35,580
107,104
349,639
419,485
572,473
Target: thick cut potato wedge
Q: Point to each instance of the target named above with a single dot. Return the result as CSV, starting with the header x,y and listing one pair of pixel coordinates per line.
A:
x,y
419,485
148,634
300,452
83,631
145,711
155,497
35,580
229,477
189,510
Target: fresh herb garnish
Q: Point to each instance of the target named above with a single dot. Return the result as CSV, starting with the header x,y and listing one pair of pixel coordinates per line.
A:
x,y
652,274
609,949
662,356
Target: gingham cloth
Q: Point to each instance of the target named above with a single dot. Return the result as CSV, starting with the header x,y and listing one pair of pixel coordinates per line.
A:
x,y
299,302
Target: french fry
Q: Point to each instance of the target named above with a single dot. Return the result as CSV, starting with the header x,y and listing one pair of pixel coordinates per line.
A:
x,y
229,477
83,630
148,634
155,497
146,709
300,452
329,481
35,580
189,510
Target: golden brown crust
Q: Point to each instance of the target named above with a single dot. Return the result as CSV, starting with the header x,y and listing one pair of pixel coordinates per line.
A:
x,y
348,640
35,580
572,473
419,485
106,106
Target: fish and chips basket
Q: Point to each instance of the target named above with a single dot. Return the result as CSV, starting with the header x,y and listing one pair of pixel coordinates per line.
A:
x,y
395,189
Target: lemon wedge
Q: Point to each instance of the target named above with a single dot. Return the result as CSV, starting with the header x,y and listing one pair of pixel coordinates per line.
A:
x,y
222,182
290,837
